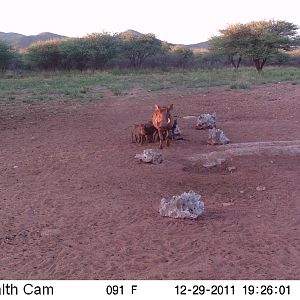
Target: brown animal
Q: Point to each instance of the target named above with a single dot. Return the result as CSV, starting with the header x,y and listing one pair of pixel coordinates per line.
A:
x,y
150,131
163,122
138,134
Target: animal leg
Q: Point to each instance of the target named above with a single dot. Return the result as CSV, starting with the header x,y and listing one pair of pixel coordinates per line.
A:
x,y
168,137
160,135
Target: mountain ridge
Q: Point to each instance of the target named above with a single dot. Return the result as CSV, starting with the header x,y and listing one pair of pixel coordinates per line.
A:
x,y
22,41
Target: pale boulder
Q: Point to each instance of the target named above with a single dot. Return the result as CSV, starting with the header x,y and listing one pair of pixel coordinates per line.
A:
x,y
186,206
206,121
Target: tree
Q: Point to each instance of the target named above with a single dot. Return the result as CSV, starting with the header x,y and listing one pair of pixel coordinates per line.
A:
x,y
257,40
45,54
6,54
75,54
102,47
139,47
230,43
267,38
182,56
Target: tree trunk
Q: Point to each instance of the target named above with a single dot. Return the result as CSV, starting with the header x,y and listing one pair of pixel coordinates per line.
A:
x,y
235,65
239,61
263,62
259,64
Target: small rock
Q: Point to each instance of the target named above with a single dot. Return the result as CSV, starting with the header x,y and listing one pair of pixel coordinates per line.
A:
x,y
242,192
232,168
15,167
260,188
258,216
50,232
217,137
213,163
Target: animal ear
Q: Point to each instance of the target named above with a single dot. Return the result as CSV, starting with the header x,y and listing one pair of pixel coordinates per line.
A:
x,y
170,107
157,107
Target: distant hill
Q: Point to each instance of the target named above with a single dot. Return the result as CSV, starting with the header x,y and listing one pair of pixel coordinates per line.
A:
x,y
202,45
131,32
23,41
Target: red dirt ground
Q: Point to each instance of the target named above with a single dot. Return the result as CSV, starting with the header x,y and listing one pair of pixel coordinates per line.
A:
x,y
75,204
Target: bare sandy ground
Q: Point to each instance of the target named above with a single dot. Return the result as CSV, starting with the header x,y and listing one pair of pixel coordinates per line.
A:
x,y
75,204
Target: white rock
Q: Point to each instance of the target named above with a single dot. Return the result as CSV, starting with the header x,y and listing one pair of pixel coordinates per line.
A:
x,y
217,137
187,205
231,168
150,156
260,188
206,121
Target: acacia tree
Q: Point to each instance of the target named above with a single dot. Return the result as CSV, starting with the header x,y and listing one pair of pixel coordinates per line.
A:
x,y
257,40
102,47
267,38
230,43
182,56
75,54
137,48
45,54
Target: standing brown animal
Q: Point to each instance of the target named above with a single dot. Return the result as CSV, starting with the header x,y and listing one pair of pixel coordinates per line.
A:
x,y
163,121
138,134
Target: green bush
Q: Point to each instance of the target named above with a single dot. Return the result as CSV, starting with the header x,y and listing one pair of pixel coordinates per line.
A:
x,y
6,55
45,55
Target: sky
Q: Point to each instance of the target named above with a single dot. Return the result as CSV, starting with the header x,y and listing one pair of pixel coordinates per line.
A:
x,y
180,22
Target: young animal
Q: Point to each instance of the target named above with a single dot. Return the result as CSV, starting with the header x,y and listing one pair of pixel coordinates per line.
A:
x,y
150,131
163,122
138,133
173,129
176,132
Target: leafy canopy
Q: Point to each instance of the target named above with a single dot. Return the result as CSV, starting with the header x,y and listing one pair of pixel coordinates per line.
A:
x,y
257,40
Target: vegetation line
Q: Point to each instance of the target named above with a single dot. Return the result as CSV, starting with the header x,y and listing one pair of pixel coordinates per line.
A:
x,y
44,86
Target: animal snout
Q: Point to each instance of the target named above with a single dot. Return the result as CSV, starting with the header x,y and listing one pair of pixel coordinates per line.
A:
x,y
163,123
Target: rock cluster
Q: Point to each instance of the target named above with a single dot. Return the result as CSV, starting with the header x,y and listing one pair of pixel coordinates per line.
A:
x,y
187,205
150,156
